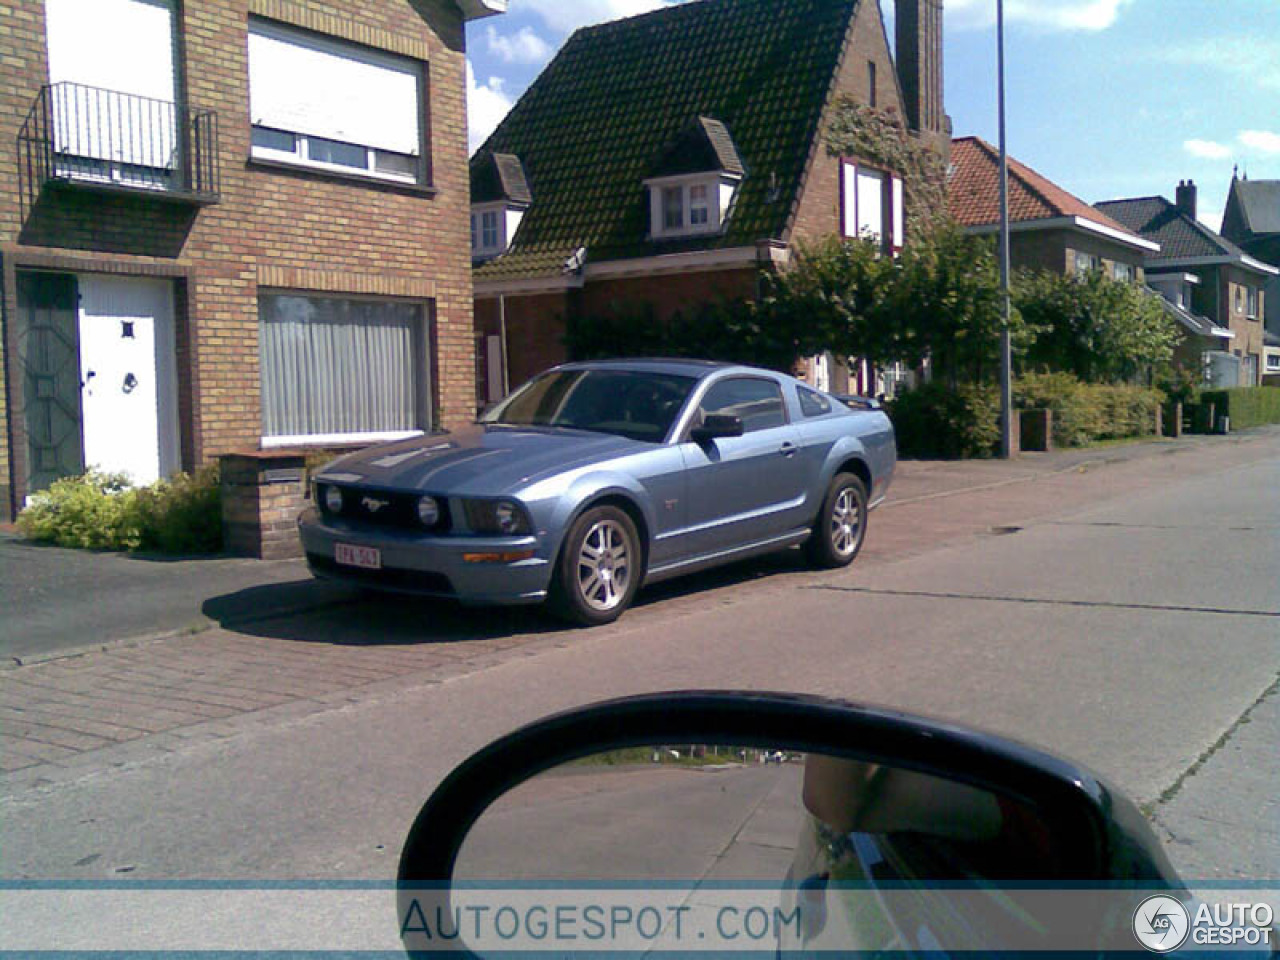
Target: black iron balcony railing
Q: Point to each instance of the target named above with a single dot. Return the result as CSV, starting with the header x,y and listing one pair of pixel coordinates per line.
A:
x,y
84,136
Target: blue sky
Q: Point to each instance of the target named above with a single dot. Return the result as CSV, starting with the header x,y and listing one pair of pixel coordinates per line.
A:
x,y
1108,98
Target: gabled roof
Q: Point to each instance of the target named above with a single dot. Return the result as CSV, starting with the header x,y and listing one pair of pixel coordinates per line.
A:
x,y
498,176
599,120
973,191
704,146
1180,237
1259,204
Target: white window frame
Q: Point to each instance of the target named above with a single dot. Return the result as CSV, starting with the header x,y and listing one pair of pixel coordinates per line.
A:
x,y
1273,363
300,155
720,192
1123,272
506,221
891,236
1251,302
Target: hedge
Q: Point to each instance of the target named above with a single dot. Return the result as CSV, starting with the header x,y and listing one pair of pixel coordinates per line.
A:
x,y
1086,412
1246,406
933,421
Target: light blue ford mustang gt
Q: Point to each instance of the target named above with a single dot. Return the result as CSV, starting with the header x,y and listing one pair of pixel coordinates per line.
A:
x,y
594,479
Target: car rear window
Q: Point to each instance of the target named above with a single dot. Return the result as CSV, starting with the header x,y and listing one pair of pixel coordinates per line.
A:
x,y
812,403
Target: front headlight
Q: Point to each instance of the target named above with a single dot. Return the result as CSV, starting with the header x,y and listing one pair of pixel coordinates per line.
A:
x,y
428,511
504,517
332,499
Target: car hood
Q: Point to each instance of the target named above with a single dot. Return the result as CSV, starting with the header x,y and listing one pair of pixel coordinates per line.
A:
x,y
481,460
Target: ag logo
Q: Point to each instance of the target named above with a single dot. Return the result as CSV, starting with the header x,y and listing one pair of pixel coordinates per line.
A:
x,y
1161,924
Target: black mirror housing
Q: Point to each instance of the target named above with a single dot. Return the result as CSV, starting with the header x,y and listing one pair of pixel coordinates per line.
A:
x,y
718,426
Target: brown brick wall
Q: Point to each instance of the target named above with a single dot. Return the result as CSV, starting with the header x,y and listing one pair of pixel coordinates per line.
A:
x,y
535,332
273,227
818,211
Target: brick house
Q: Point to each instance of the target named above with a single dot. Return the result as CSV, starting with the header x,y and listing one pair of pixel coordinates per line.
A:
x,y
1207,274
662,161
1049,228
229,224
1252,222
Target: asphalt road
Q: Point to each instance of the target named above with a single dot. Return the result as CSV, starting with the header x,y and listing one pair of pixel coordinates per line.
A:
x,y
1139,635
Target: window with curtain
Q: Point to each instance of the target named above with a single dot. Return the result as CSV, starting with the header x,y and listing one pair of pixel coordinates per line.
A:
x,y
326,103
335,368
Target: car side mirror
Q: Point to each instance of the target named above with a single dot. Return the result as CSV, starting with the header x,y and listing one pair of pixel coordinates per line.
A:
x,y
665,821
716,426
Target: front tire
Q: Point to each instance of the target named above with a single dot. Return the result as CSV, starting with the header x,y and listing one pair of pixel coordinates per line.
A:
x,y
599,570
841,527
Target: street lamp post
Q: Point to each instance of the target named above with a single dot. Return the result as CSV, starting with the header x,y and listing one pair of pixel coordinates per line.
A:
x,y
1006,348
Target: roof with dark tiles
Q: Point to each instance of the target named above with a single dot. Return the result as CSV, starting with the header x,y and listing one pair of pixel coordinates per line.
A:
x,y
973,190
1259,205
704,146
598,121
1180,236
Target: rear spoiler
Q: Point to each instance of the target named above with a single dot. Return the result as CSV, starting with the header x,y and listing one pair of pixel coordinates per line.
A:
x,y
861,403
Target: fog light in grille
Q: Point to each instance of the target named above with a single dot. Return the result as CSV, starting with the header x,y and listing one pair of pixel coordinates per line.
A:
x,y
428,511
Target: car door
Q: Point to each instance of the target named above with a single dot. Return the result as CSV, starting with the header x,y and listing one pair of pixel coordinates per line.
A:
x,y
743,489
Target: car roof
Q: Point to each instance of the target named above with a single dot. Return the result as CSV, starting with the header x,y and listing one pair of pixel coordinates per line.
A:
x,y
677,366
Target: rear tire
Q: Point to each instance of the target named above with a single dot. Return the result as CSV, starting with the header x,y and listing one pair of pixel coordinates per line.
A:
x,y
600,568
841,526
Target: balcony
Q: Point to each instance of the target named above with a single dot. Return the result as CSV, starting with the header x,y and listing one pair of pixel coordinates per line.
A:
x,y
84,138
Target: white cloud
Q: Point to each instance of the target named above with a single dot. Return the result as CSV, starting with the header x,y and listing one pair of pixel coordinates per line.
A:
x,y
1211,217
1263,140
1046,14
523,47
1253,60
566,16
1206,149
487,104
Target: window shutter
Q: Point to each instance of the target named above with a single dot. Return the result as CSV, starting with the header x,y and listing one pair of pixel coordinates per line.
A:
x,y
849,200
899,216
333,91
121,45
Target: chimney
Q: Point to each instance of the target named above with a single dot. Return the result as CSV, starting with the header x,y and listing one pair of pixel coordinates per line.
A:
x,y
1186,198
918,27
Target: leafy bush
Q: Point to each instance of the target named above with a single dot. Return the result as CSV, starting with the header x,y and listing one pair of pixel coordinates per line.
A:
x,y
1246,406
100,511
92,512
182,514
1084,412
936,421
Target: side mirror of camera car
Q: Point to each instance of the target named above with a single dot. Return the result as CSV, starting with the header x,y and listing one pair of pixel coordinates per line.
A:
x,y
831,825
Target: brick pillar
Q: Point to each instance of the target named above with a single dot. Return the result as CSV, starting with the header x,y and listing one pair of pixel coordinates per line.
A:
x,y
262,494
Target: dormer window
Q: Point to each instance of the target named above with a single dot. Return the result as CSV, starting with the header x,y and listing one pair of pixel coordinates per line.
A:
x,y
693,187
499,198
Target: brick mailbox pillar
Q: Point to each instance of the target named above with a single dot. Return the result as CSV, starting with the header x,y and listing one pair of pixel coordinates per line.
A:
x,y
1036,430
262,494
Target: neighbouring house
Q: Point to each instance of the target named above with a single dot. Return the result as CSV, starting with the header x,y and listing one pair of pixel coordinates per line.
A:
x,y
1252,222
229,224
1207,275
1049,228
660,162
1271,359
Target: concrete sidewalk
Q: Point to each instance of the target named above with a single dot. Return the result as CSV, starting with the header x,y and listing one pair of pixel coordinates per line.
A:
x,y
61,603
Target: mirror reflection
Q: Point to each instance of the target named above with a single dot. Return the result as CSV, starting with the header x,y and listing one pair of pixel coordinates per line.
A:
x,y
859,848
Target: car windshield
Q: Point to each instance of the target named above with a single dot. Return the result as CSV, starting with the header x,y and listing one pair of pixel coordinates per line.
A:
x,y
627,403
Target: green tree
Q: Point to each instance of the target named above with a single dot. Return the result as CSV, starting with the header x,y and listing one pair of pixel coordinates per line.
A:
x,y
1099,329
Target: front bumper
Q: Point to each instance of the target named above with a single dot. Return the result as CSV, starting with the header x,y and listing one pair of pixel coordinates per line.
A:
x,y
427,565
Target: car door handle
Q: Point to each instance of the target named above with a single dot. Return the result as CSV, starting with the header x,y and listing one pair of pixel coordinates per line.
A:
x,y
789,449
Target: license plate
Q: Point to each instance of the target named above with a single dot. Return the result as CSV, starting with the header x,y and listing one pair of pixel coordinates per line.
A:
x,y
366,558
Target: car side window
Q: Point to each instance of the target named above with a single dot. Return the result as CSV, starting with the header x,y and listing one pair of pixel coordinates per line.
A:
x,y
812,403
756,402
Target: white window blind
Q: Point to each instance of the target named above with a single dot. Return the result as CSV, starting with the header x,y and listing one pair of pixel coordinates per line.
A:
x,y
899,215
331,90
849,192
333,367
121,45
112,65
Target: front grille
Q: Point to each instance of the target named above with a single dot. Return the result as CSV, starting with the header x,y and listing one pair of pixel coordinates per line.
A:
x,y
383,508
414,581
